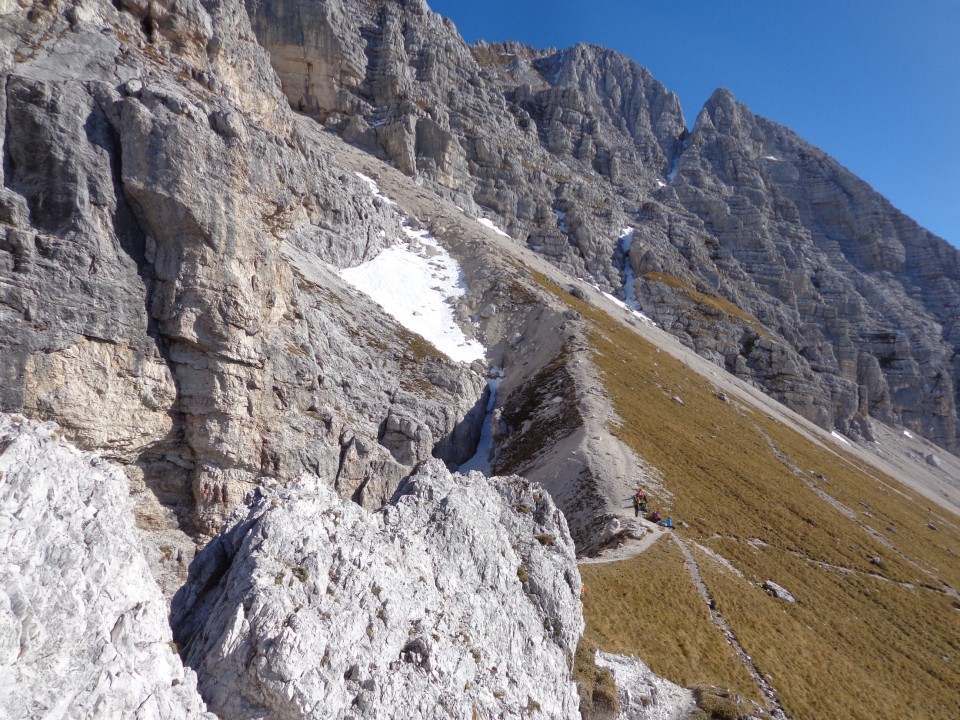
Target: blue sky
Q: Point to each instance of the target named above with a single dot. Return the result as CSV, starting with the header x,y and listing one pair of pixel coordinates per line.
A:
x,y
875,83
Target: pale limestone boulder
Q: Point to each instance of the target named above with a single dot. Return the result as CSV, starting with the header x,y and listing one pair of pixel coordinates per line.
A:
x,y
83,624
460,596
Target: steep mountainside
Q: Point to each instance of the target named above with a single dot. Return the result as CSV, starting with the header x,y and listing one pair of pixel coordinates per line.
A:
x,y
752,246
193,193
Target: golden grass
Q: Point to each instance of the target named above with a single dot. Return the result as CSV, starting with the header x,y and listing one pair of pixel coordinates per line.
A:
x,y
596,686
706,301
859,642
647,606
851,646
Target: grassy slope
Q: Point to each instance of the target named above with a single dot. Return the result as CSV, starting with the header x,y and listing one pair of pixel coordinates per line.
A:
x,y
648,602
863,640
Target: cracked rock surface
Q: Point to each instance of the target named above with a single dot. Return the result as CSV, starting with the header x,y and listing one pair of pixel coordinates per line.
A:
x,y
459,598
83,624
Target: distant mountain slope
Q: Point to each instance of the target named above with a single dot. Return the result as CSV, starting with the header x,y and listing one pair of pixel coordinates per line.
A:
x,y
848,307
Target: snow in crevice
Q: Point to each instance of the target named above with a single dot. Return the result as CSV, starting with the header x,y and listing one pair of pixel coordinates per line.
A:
x,y
561,221
481,458
626,242
674,169
675,164
417,282
374,188
629,303
490,224
771,157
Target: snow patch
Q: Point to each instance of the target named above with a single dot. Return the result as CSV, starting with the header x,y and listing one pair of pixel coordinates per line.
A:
x,y
636,313
374,188
626,242
489,224
481,458
771,157
908,434
416,282
840,437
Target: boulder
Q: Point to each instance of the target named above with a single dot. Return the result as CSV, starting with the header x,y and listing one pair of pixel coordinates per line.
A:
x,y
83,624
443,603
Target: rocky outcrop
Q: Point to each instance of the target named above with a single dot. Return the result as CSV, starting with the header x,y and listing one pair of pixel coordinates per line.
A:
x,y
83,625
643,695
306,606
859,302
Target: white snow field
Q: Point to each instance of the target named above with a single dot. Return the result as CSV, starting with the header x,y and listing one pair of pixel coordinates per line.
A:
x,y
416,282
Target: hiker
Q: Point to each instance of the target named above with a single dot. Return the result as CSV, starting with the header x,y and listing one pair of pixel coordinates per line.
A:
x,y
668,523
639,502
656,517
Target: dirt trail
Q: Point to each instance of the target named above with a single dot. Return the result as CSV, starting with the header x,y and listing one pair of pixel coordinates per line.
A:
x,y
766,689
629,549
632,548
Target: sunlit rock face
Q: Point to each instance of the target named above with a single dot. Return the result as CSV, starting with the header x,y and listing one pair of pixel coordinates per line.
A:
x,y
460,596
752,246
83,624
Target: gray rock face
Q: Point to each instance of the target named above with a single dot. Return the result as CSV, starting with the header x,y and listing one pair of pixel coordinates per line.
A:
x,y
83,625
306,606
753,247
156,190
643,695
863,300
778,591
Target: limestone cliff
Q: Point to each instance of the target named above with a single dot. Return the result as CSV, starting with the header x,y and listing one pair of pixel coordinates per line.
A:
x,y
151,191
